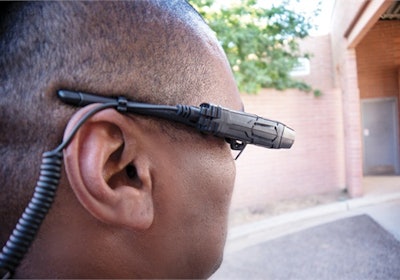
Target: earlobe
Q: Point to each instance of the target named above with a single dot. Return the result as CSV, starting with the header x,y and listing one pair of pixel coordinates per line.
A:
x,y
108,169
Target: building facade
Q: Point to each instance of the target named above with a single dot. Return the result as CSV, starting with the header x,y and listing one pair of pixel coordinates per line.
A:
x,y
351,130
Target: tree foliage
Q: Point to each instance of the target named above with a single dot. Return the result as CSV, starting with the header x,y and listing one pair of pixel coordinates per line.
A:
x,y
262,44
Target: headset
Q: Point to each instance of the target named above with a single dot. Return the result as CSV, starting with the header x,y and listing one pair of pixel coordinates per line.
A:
x,y
236,127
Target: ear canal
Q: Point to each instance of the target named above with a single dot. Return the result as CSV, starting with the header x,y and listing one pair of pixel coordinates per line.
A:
x,y
131,171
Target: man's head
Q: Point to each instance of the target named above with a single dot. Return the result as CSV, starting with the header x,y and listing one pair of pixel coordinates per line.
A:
x,y
139,197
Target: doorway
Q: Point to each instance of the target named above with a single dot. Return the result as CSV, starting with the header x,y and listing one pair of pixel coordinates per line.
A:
x,y
380,136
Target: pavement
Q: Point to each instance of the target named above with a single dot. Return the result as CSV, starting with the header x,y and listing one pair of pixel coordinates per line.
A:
x,y
250,242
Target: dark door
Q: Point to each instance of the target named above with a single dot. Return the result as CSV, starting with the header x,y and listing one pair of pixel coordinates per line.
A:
x,y
379,121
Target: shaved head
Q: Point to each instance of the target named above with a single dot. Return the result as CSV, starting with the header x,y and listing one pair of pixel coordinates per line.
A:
x,y
83,44
132,48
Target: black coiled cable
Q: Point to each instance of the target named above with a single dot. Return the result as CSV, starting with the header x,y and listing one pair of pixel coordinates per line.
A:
x,y
28,225
33,216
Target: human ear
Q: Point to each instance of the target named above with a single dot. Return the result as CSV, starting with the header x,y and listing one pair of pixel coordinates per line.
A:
x,y
108,170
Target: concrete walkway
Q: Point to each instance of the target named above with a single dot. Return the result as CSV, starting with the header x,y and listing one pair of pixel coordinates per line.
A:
x,y
381,202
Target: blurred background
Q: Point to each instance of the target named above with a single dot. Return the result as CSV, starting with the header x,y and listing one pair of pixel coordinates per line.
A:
x,y
329,70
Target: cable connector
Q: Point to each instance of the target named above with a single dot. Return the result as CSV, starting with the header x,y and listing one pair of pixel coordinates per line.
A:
x,y
208,113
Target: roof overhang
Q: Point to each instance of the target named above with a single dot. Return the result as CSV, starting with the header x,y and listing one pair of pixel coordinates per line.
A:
x,y
368,14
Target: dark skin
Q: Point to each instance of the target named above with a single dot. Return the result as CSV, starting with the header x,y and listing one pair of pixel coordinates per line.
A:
x,y
134,201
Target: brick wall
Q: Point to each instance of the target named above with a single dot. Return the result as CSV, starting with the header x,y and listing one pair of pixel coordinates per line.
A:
x,y
327,154
351,124
378,60
346,14
343,15
315,164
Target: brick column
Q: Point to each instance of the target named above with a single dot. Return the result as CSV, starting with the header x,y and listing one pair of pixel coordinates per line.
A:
x,y
352,124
